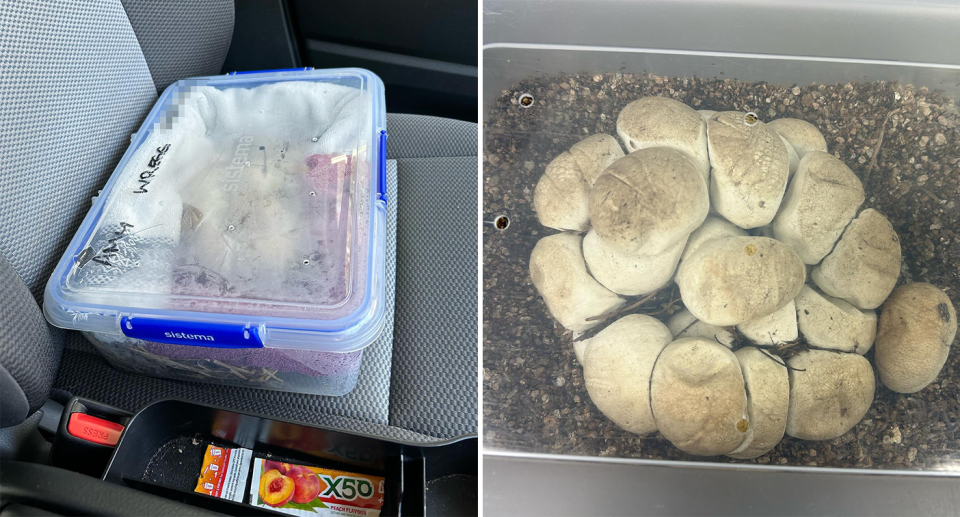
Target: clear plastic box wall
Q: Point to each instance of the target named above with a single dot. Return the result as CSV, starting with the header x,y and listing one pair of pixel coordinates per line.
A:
x,y
507,64
249,250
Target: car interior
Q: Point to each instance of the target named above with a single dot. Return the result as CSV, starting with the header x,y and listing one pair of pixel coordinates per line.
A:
x,y
78,78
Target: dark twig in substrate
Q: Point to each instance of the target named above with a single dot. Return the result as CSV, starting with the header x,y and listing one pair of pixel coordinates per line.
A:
x,y
876,150
633,308
782,351
773,357
931,194
586,335
684,329
630,307
665,307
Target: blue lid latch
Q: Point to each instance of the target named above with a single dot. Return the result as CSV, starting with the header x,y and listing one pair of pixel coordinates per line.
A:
x,y
193,333
382,166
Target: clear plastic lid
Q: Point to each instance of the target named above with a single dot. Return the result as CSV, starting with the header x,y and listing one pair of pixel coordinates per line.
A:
x,y
248,211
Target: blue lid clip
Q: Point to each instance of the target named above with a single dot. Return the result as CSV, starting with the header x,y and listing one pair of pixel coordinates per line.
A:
x,y
382,166
193,333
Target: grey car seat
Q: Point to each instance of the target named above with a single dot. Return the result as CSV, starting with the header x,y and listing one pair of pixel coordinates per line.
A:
x,y
76,79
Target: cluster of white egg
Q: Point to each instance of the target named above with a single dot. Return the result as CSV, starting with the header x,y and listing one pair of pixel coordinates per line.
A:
x,y
729,374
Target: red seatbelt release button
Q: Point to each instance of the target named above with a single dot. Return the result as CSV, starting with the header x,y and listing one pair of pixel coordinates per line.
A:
x,y
93,429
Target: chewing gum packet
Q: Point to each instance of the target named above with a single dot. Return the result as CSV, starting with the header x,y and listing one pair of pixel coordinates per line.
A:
x,y
314,491
224,473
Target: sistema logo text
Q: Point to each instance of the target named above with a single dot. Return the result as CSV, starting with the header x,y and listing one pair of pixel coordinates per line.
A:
x,y
181,335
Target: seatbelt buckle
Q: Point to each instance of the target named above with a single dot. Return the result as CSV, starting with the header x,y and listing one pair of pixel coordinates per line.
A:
x,y
87,435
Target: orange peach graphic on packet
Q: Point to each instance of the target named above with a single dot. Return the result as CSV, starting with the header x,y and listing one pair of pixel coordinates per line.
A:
x,y
275,488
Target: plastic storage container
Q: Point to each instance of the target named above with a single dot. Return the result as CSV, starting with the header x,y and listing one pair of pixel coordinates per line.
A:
x,y
535,400
241,238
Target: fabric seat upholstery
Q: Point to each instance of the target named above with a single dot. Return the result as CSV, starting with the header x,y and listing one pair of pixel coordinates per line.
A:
x,y
76,78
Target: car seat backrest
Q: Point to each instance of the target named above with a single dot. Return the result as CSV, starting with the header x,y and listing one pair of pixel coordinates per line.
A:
x,y
76,79
182,38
